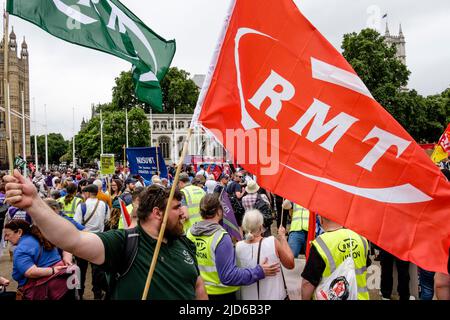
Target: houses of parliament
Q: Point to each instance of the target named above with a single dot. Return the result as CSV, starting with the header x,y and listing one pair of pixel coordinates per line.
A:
x,y
19,80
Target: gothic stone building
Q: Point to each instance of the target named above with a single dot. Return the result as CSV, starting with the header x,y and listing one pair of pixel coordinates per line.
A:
x,y
399,42
18,81
163,135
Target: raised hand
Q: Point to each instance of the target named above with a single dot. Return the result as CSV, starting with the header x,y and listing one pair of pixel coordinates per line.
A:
x,y
20,192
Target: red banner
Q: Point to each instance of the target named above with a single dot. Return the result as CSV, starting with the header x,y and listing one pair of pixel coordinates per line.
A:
x,y
444,141
291,110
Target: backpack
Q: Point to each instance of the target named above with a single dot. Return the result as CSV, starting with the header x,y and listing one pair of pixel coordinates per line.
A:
x,y
265,209
129,255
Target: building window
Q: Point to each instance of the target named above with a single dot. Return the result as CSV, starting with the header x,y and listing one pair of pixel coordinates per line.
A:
x,y
164,125
155,125
180,124
164,144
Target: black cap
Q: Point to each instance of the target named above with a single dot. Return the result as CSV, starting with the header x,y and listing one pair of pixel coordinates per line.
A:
x,y
130,180
92,188
224,176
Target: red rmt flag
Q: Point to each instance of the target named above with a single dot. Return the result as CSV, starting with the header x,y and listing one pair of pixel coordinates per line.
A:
x,y
291,110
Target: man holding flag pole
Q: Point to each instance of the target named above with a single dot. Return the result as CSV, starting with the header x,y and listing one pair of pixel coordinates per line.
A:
x,y
110,27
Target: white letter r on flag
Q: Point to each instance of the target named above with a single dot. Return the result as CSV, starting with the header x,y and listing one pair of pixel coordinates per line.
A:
x,y
267,90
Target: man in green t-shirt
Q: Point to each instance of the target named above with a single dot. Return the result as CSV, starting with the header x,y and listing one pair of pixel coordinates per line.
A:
x,y
176,275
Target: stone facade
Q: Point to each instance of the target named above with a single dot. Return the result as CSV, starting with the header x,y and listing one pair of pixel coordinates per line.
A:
x,y
18,81
399,42
163,135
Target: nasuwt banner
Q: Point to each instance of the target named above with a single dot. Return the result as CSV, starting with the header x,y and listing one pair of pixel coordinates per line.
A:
x,y
110,27
107,165
290,109
142,161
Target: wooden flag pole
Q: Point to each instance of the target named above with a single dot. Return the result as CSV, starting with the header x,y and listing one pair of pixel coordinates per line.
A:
x,y
108,182
124,159
166,215
282,213
157,160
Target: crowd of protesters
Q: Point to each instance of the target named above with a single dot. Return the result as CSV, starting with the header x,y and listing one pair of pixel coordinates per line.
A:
x,y
57,221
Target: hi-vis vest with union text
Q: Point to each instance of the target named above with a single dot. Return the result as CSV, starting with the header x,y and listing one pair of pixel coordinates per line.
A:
x,y
206,258
334,248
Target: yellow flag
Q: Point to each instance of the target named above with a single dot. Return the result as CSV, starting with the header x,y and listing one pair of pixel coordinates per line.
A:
x,y
438,154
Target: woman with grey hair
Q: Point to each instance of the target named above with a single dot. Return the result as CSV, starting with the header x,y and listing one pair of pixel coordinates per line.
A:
x,y
256,248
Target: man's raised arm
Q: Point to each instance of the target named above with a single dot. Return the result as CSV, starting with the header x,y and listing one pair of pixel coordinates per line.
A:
x,y
21,193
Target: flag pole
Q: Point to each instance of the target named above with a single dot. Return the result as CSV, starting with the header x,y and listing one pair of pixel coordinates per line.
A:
x,y
24,146
124,158
46,138
6,89
175,144
73,139
157,160
151,128
282,211
166,215
126,126
101,133
35,137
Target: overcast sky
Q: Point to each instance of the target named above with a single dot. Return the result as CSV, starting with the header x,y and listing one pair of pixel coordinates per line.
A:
x,y
65,76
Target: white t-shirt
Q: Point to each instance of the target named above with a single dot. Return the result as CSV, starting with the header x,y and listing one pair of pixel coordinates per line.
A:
x,y
270,288
202,172
210,186
97,222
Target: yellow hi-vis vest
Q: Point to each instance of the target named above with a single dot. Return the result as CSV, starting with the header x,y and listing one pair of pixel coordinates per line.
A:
x,y
193,196
129,209
69,209
300,218
334,248
206,258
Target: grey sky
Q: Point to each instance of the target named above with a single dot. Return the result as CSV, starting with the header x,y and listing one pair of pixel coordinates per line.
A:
x,y
65,76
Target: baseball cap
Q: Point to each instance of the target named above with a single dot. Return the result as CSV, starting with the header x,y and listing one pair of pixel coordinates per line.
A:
x,y
130,180
224,176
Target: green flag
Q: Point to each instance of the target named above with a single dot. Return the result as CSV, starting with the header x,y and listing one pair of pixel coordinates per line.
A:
x,y
19,162
108,26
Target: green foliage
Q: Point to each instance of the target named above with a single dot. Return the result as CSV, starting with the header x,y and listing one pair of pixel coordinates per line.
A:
x,y
57,147
178,92
375,62
123,95
87,142
386,77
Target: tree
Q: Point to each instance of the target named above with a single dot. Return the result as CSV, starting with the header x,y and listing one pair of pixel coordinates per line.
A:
x,y
123,95
87,142
178,92
376,64
57,147
386,77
